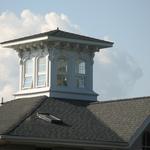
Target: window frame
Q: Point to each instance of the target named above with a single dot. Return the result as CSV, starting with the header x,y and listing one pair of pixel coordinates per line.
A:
x,y
41,73
62,75
80,74
27,75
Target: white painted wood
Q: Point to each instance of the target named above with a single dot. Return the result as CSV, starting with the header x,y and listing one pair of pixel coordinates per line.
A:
x,y
53,54
101,44
25,41
20,74
47,71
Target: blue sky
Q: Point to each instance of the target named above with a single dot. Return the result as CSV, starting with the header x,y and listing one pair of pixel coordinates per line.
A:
x,y
125,22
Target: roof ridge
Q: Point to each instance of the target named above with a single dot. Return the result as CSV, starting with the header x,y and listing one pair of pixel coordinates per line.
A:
x,y
54,33
29,36
26,115
80,34
120,100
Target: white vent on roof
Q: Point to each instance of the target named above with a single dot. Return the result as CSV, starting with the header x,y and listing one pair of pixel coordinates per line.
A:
x,y
49,118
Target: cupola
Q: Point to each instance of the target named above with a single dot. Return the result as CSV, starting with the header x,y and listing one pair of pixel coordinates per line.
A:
x,y
57,64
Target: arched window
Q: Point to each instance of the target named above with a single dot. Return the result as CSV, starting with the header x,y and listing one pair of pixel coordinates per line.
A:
x,y
146,141
41,72
62,72
28,73
80,71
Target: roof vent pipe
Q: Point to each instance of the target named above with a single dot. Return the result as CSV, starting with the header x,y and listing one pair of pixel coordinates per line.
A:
x,y
2,101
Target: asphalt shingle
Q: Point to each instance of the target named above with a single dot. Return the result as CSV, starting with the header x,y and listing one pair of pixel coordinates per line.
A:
x,y
112,121
12,113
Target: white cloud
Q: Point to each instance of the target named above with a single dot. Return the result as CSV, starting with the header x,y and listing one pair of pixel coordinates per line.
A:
x,y
8,73
102,57
52,20
115,71
13,26
7,92
28,23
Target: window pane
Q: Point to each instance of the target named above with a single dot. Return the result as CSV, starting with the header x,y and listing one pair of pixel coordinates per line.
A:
x,y
41,81
61,80
82,67
62,72
62,66
28,82
41,75
80,70
42,64
80,82
28,67
28,71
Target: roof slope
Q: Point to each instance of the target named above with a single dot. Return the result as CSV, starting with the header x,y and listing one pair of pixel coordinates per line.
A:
x,y
124,117
80,123
14,112
60,34
114,121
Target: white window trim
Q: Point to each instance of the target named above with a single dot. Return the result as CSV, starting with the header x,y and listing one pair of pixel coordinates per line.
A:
x,y
34,73
78,75
46,73
23,74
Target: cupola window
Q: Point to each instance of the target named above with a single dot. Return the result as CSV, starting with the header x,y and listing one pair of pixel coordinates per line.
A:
x,y
28,73
62,72
80,70
41,71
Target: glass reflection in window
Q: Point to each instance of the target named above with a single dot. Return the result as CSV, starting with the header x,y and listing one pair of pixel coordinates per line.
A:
x,y
41,71
28,73
62,72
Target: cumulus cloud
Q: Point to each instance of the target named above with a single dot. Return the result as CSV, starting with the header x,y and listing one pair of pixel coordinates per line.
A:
x,y
8,73
28,23
13,26
116,73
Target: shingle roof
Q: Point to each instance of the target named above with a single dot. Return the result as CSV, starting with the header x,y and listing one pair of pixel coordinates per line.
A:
x,y
113,121
60,34
14,112
124,117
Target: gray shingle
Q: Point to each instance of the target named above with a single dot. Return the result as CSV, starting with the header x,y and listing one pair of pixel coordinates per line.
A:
x,y
81,123
104,121
14,112
124,117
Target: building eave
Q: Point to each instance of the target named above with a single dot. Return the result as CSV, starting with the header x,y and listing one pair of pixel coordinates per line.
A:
x,y
62,142
52,36
10,44
100,44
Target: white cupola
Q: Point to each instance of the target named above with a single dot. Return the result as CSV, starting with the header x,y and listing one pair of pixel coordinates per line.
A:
x,y
57,64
